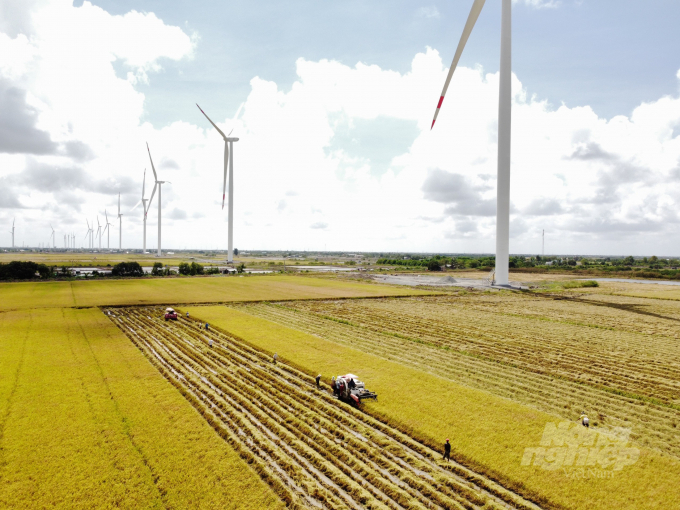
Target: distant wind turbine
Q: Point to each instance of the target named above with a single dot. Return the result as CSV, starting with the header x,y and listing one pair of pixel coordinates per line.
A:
x,y
156,185
54,241
504,130
99,233
145,208
228,164
12,232
89,232
108,230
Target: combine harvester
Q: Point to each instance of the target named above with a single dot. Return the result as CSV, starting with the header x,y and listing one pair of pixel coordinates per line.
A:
x,y
350,389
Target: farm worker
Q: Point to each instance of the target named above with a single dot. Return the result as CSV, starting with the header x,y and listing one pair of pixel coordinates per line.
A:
x,y
210,342
207,326
585,421
187,315
276,356
351,384
318,378
447,450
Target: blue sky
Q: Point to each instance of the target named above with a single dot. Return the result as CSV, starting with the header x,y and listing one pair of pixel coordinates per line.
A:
x,y
608,54
335,101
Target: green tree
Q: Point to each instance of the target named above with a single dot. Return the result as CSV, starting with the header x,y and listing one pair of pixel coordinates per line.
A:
x,y
629,260
241,268
157,269
127,269
184,268
195,269
433,265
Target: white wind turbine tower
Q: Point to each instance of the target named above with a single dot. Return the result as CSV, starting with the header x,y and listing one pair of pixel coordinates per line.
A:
x,y
89,232
156,185
12,232
228,163
108,230
120,226
52,235
99,233
144,201
504,127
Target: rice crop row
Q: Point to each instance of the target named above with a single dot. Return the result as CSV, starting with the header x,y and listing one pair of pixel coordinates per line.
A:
x,y
632,363
313,450
351,323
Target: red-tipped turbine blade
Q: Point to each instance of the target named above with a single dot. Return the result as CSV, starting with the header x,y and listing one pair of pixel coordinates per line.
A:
x,y
469,25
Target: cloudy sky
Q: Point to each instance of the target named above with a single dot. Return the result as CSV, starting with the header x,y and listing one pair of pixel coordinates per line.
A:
x,y
332,102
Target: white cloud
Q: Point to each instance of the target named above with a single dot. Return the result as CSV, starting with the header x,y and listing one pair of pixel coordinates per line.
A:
x,y
428,12
541,4
595,185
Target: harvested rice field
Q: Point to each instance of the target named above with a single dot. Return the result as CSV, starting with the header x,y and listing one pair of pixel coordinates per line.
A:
x,y
614,357
313,450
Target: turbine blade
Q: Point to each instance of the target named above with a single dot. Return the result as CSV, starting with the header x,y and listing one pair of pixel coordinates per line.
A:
x,y
226,165
136,206
214,125
153,192
469,25
155,176
238,111
143,184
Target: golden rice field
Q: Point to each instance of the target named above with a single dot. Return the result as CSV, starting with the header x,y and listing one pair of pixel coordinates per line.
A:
x,y
104,404
79,293
86,422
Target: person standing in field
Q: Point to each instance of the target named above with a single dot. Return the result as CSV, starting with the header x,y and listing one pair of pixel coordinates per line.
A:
x,y
207,326
318,378
447,450
276,356
585,421
210,342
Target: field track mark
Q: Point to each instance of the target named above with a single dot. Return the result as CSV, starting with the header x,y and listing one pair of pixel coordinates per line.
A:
x,y
162,493
15,384
314,451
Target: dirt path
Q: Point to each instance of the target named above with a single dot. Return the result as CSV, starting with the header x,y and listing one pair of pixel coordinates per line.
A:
x,y
315,451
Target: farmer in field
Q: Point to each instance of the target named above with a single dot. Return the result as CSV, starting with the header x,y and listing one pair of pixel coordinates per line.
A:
x,y
333,385
207,326
210,342
276,356
318,378
585,421
447,450
187,315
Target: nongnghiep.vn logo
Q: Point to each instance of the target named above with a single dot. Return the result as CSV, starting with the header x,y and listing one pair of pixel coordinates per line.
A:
x,y
569,445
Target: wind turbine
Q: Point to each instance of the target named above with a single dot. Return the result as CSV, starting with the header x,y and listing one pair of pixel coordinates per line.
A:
x,y
228,163
54,241
99,233
504,130
144,201
12,232
89,232
108,231
156,185
120,226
